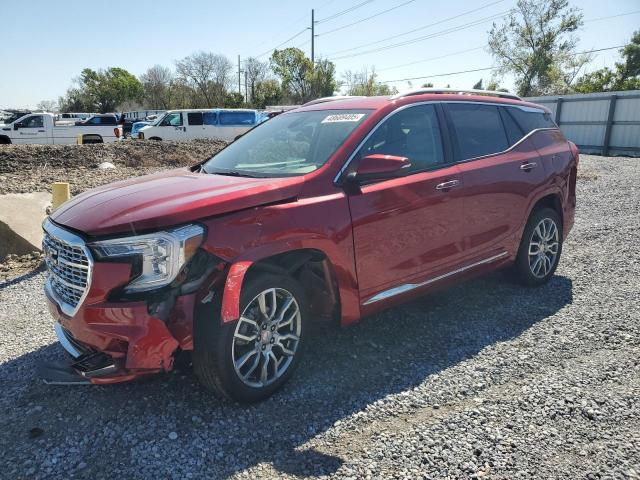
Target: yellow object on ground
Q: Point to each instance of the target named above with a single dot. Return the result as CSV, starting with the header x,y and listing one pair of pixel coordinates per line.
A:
x,y
79,139
61,193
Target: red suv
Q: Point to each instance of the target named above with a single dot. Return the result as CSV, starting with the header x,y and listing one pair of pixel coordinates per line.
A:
x,y
335,210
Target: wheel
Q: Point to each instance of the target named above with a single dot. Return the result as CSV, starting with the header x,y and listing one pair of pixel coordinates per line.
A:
x,y
540,247
254,356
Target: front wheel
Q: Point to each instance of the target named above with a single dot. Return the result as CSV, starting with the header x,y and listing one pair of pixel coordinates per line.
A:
x,y
254,356
540,247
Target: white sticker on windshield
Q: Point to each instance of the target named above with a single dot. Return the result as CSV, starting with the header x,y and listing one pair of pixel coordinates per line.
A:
x,y
343,117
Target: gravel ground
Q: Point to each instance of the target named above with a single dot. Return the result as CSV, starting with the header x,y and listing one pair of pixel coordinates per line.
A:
x,y
32,168
483,380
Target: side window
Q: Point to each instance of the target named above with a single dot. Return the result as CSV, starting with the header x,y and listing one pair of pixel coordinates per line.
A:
x,y
413,133
237,118
478,129
514,132
194,118
95,121
36,121
210,118
172,120
531,119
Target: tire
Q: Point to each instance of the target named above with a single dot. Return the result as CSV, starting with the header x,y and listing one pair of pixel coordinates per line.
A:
x,y
543,231
230,361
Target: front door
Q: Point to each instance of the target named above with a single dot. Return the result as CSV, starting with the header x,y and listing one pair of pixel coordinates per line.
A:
x,y
173,127
32,130
408,228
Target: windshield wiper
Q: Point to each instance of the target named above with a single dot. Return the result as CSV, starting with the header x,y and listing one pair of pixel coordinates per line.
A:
x,y
230,173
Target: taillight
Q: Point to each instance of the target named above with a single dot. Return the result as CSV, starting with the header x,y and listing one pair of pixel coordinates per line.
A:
x,y
140,135
116,131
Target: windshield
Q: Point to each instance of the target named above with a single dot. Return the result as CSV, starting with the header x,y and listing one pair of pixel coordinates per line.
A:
x,y
157,121
292,144
13,117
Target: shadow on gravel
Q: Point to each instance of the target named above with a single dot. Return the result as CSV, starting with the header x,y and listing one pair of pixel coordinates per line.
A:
x,y
124,429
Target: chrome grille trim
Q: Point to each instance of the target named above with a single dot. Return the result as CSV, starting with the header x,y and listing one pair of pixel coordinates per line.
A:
x,y
69,267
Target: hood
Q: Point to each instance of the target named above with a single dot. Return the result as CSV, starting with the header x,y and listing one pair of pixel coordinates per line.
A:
x,y
169,198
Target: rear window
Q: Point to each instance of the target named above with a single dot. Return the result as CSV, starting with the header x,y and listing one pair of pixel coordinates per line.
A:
x,y
210,118
194,118
478,129
237,118
532,119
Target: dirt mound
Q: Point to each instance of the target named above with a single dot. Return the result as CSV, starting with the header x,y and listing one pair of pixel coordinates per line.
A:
x,y
31,168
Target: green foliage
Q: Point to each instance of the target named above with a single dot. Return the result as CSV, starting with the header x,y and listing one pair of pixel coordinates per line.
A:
x,y
267,92
536,44
300,79
102,91
365,83
233,100
625,76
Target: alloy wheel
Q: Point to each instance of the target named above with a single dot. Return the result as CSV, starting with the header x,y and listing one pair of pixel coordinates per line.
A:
x,y
543,248
266,337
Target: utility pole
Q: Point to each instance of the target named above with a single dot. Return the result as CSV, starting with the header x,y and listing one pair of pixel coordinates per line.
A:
x,y
246,91
239,87
313,36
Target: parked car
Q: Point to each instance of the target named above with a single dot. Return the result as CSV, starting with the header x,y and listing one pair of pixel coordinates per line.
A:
x,y
333,211
41,128
99,120
191,124
72,116
135,128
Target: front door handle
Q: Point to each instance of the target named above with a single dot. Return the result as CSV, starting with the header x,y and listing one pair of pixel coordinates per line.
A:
x,y
528,166
447,185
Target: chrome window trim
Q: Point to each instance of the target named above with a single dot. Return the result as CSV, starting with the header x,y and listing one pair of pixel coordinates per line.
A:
x,y
407,287
73,240
525,108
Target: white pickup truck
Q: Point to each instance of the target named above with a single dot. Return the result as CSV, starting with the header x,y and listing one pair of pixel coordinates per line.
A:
x,y
41,128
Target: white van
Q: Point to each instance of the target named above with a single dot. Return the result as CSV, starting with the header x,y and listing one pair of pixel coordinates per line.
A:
x,y
216,123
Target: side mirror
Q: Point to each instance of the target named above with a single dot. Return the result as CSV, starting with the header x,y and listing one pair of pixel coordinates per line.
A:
x,y
379,167
16,126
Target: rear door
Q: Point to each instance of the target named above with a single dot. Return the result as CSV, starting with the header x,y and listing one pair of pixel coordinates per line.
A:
x,y
407,228
235,122
501,171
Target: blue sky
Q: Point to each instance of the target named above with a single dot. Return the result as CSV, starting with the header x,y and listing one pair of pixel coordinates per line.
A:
x,y
47,43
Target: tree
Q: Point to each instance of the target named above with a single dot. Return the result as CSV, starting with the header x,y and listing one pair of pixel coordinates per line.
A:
x,y
323,79
625,76
536,44
47,106
209,75
478,85
295,70
365,83
267,92
102,91
157,83
256,73
427,85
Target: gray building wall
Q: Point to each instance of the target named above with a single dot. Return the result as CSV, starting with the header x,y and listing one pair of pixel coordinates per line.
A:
x,y
601,123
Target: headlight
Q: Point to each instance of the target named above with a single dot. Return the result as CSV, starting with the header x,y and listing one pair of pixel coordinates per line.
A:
x,y
162,255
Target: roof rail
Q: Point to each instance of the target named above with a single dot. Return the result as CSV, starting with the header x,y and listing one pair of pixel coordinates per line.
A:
x,y
331,99
457,91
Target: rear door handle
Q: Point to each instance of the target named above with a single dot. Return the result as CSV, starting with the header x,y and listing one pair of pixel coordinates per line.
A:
x,y
528,166
447,185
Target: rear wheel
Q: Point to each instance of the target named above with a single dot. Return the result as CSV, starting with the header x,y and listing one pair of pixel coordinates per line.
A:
x,y
249,359
540,247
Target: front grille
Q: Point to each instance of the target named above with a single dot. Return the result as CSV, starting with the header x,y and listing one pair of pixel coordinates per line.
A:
x,y
68,267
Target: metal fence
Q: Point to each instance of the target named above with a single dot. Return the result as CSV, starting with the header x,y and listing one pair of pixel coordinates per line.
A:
x,y
600,123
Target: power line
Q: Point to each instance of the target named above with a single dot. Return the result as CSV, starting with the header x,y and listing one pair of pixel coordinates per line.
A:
x,y
283,43
365,19
344,12
425,37
430,59
612,16
408,32
485,68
